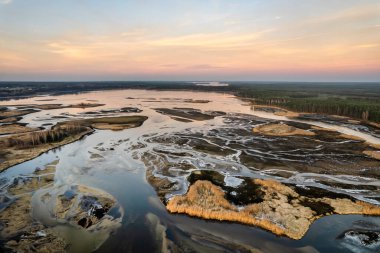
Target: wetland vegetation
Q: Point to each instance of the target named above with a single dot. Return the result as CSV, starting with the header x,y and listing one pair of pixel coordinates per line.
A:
x,y
87,169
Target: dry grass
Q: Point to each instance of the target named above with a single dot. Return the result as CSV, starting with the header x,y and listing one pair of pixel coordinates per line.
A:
x,y
19,148
14,113
9,120
85,105
15,129
207,201
280,130
275,186
288,114
119,120
281,111
377,146
16,217
369,209
277,213
373,154
116,123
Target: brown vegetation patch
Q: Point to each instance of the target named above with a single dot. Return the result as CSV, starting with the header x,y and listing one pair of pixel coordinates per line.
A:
x,y
287,113
186,113
16,217
283,211
84,206
276,110
372,153
38,238
116,123
22,147
351,137
280,130
15,129
10,120
85,105
15,113
377,146
19,148
22,185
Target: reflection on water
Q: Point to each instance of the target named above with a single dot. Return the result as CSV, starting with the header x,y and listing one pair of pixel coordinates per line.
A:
x,y
110,161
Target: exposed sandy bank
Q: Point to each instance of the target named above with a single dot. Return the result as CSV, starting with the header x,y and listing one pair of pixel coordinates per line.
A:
x,y
280,130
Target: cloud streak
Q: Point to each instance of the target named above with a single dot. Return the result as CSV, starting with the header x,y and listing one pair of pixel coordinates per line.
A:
x,y
6,1
244,41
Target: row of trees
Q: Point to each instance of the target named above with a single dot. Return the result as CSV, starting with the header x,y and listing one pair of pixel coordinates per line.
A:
x,y
358,107
43,137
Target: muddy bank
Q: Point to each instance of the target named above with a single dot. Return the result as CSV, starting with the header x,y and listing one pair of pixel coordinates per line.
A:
x,y
12,115
22,147
55,106
236,145
114,123
114,111
188,114
363,126
275,110
19,148
79,206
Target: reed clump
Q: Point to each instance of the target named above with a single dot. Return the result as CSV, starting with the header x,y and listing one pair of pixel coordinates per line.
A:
x,y
283,211
56,134
207,201
369,209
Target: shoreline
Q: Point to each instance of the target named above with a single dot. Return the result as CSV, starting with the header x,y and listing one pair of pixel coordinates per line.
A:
x,y
280,216
2,169
286,112
108,123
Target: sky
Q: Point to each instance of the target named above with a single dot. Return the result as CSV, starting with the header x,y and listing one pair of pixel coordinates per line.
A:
x,y
242,40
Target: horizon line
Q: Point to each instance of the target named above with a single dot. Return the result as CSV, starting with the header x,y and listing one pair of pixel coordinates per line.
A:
x,y
185,81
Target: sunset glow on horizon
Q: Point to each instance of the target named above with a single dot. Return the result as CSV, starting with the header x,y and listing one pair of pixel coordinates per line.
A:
x,y
66,40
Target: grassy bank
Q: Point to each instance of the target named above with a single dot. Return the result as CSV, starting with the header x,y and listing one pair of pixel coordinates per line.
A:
x,y
19,148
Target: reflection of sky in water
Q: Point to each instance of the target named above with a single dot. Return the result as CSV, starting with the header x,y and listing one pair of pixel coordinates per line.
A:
x,y
119,171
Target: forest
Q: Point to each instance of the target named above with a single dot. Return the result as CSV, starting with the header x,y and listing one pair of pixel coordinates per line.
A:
x,y
360,101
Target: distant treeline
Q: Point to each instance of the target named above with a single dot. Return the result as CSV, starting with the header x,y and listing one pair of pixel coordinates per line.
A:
x,y
17,90
356,100
359,102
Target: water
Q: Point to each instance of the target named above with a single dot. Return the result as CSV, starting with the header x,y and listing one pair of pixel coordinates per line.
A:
x,y
120,172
